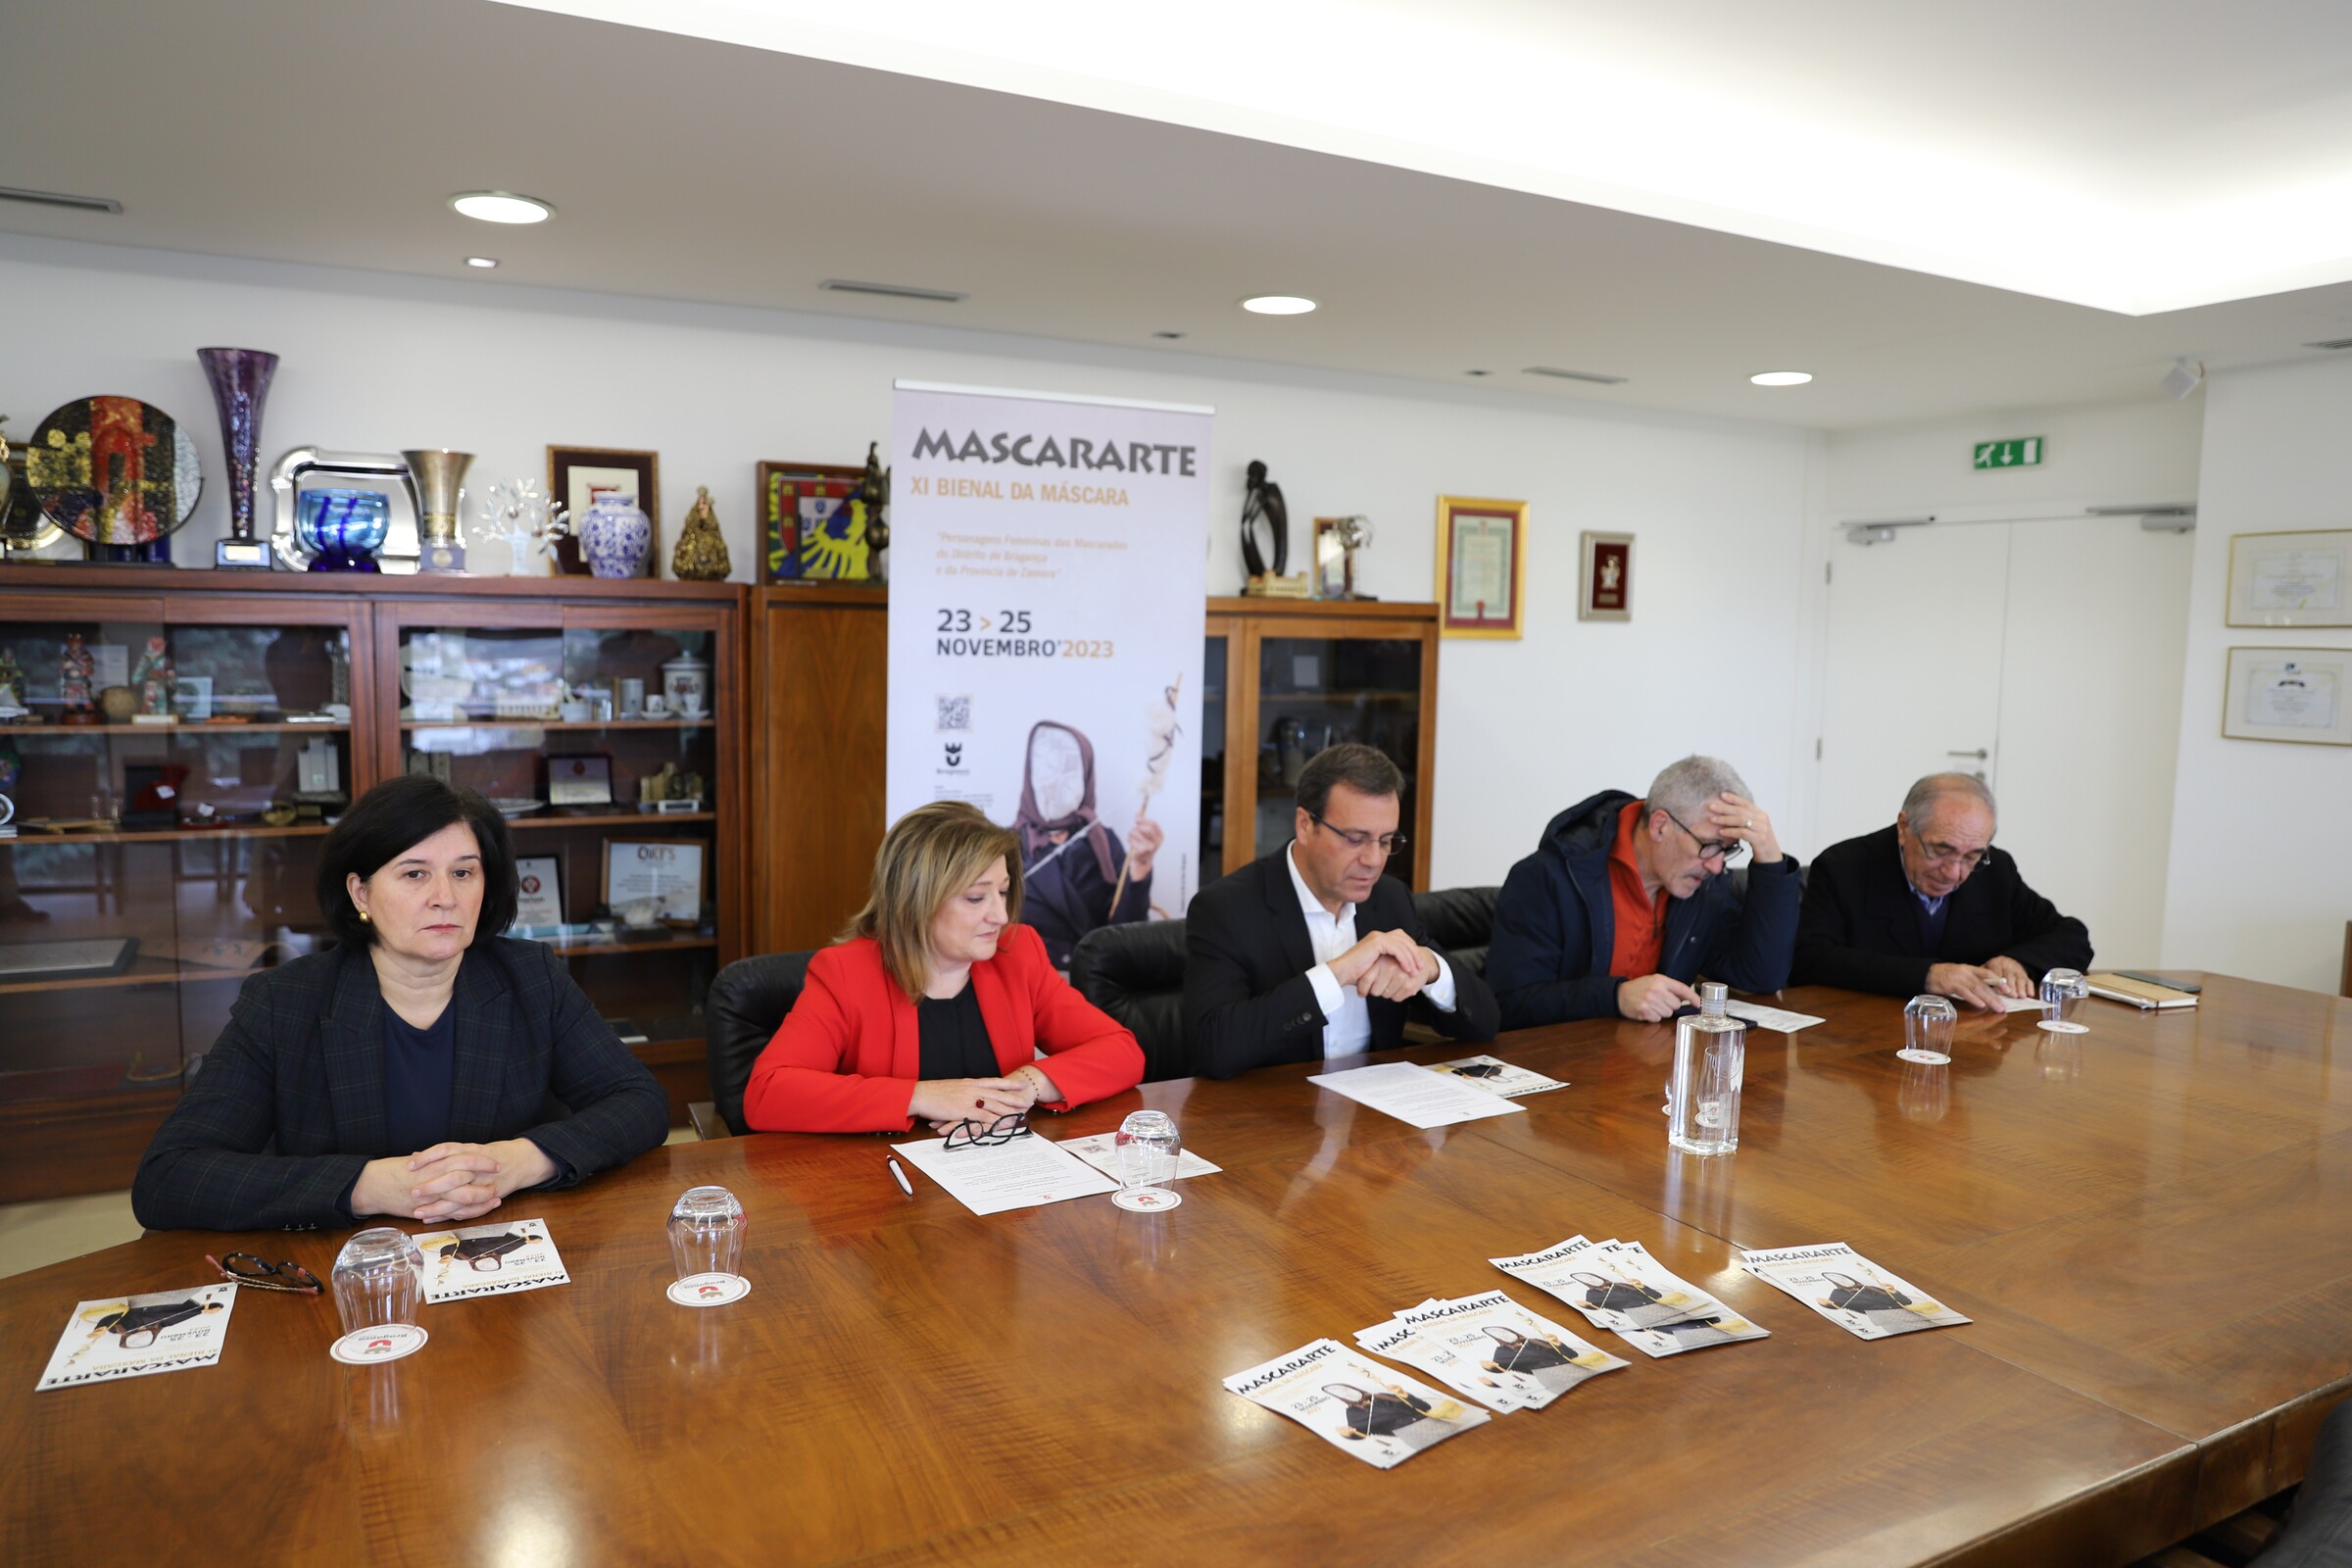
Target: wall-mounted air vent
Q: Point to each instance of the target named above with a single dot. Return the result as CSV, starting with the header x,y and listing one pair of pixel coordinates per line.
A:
x,y
1558,374
894,291
58,198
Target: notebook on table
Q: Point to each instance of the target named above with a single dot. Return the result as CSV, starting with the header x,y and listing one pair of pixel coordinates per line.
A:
x,y
2142,994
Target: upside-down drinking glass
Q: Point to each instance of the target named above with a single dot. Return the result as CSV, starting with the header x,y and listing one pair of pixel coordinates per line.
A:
x,y
706,1232
1927,1023
379,1279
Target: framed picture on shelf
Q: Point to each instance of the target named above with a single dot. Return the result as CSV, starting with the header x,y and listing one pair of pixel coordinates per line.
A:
x,y
577,475
585,779
1482,566
1606,581
2289,694
192,695
795,500
540,902
2291,579
670,874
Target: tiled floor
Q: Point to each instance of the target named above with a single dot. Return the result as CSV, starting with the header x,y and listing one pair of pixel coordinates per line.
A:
x,y
35,1235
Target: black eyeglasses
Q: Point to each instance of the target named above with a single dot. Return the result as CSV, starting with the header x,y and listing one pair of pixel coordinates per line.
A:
x,y
977,1135
1708,849
252,1272
1355,839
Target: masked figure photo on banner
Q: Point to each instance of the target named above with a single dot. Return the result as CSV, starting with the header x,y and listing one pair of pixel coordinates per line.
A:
x,y
1076,874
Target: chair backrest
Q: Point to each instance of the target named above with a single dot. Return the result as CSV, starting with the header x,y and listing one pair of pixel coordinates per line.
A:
x,y
1461,920
1135,972
745,1005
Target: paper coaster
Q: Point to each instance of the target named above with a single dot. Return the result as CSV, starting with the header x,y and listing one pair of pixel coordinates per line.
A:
x,y
386,1341
1148,1199
2057,1028
1924,1058
709,1290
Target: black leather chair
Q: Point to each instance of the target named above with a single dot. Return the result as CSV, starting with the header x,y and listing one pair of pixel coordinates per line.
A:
x,y
747,1004
2319,1527
1135,972
1461,920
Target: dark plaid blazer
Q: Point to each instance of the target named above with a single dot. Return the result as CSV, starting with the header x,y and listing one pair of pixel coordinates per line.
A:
x,y
289,1104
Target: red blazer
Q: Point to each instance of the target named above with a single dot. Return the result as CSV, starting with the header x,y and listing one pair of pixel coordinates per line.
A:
x,y
847,1058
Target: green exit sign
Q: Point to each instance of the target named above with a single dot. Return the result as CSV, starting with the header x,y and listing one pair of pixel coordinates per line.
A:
x,y
2022,452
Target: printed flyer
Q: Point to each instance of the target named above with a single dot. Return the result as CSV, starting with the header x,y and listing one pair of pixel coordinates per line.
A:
x,y
134,1335
1380,1417
490,1260
1849,1290
1619,1287
1497,1077
1492,1349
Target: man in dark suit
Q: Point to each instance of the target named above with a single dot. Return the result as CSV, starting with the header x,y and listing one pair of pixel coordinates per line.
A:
x,y
1930,906
1311,953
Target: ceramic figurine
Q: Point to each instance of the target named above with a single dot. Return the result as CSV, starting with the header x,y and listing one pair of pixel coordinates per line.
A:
x,y
873,488
701,552
615,537
75,670
153,676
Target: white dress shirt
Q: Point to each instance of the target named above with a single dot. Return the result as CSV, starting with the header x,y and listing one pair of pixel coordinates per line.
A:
x,y
1346,1018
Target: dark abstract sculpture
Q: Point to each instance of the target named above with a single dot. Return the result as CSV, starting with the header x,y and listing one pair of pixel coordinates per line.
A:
x,y
240,381
1264,500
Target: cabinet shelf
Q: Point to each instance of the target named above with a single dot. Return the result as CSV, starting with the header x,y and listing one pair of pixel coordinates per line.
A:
x,y
598,950
183,727
612,820
191,835
556,723
170,974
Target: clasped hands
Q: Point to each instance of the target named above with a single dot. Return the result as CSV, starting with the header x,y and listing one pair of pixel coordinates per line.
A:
x,y
944,1101
450,1183
1386,965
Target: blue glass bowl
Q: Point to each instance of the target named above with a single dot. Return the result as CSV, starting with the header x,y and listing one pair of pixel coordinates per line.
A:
x,y
342,528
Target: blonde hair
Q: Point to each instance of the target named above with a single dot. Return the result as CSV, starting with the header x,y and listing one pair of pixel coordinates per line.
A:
x,y
929,856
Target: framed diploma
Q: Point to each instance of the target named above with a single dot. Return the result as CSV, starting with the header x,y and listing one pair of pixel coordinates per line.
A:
x,y
540,899
2291,579
2289,694
1482,566
1606,581
668,871
582,780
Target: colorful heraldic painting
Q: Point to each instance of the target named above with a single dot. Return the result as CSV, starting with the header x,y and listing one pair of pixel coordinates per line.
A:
x,y
1047,608
114,471
796,506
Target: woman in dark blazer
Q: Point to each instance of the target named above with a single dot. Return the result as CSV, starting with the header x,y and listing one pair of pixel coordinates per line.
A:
x,y
934,1006
420,1068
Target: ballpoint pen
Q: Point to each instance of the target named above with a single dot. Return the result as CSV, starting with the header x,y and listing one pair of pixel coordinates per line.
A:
x,y
898,1174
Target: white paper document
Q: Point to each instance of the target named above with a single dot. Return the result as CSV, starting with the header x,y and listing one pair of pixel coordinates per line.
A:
x,y
490,1260
1380,1417
1490,1348
2022,1004
1102,1152
1497,1076
1412,1093
132,1336
1776,1018
1849,1290
1619,1287
991,1178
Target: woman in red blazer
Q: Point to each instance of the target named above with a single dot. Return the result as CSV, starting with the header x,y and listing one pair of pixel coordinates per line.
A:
x,y
933,1006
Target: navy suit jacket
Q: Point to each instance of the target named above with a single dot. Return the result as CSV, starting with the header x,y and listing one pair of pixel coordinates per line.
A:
x,y
289,1104
1248,1001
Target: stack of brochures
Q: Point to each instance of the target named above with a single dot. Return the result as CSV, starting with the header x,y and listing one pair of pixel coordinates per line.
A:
x,y
1849,1290
1497,1076
1489,1348
1380,1417
1619,1287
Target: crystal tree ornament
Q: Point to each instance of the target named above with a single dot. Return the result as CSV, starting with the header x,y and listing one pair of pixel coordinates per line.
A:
x,y
515,514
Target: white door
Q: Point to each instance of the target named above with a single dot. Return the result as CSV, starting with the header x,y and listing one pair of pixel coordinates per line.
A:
x,y
1913,670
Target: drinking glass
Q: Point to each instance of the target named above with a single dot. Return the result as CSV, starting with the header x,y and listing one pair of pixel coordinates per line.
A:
x,y
1927,1030
379,1279
2062,993
706,1232
1147,1148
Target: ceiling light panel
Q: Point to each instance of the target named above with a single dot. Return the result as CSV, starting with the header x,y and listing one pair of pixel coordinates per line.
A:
x,y
501,207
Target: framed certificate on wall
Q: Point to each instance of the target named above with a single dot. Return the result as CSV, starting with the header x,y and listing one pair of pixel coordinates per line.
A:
x,y
2289,694
1482,566
2291,579
668,871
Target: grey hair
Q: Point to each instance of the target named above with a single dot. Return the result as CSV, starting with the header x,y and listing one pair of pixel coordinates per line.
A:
x,y
1684,788
1937,786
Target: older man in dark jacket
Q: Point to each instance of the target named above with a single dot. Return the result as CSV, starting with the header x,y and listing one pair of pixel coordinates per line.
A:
x,y
1625,903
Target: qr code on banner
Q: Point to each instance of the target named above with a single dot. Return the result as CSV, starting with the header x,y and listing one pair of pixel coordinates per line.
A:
x,y
955,713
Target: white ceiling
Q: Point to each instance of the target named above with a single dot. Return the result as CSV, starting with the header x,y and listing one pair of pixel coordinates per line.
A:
x,y
333,132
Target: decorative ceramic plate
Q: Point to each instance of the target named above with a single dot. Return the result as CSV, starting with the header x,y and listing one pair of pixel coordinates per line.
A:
x,y
507,805
114,471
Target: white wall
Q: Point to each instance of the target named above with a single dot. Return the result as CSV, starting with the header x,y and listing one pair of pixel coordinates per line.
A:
x,y
2261,877
377,362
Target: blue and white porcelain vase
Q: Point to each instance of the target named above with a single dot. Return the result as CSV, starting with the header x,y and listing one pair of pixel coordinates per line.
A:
x,y
617,537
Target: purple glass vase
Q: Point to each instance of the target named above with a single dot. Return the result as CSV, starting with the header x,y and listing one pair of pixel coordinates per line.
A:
x,y
241,379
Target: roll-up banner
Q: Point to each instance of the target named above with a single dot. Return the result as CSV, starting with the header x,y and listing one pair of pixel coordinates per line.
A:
x,y
1048,604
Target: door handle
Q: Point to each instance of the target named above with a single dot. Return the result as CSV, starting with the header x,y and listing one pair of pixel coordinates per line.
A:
x,y
1979,754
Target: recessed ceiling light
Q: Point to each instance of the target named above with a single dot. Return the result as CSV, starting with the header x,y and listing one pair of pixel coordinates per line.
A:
x,y
481,260
1278,305
1782,379
501,207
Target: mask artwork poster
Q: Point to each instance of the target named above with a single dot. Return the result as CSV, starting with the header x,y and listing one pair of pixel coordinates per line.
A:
x,y
1048,604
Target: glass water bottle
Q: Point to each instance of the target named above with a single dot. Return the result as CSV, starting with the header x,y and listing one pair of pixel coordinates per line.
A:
x,y
1703,1097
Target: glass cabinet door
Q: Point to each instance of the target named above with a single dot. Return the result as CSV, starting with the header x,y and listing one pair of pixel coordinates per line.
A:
x,y
170,781
1217,655
1318,691
600,745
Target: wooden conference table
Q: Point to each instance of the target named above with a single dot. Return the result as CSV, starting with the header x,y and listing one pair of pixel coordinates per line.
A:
x,y
2147,1223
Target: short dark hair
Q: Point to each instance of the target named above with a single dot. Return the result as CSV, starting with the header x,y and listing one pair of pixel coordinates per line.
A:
x,y
396,817
1366,769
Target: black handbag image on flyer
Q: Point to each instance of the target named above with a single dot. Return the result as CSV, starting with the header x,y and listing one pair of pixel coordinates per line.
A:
x,y
128,1325
484,1253
1853,1295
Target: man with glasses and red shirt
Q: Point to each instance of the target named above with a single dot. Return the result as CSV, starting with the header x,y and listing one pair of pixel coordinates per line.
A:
x,y
1625,904
1311,953
1930,906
